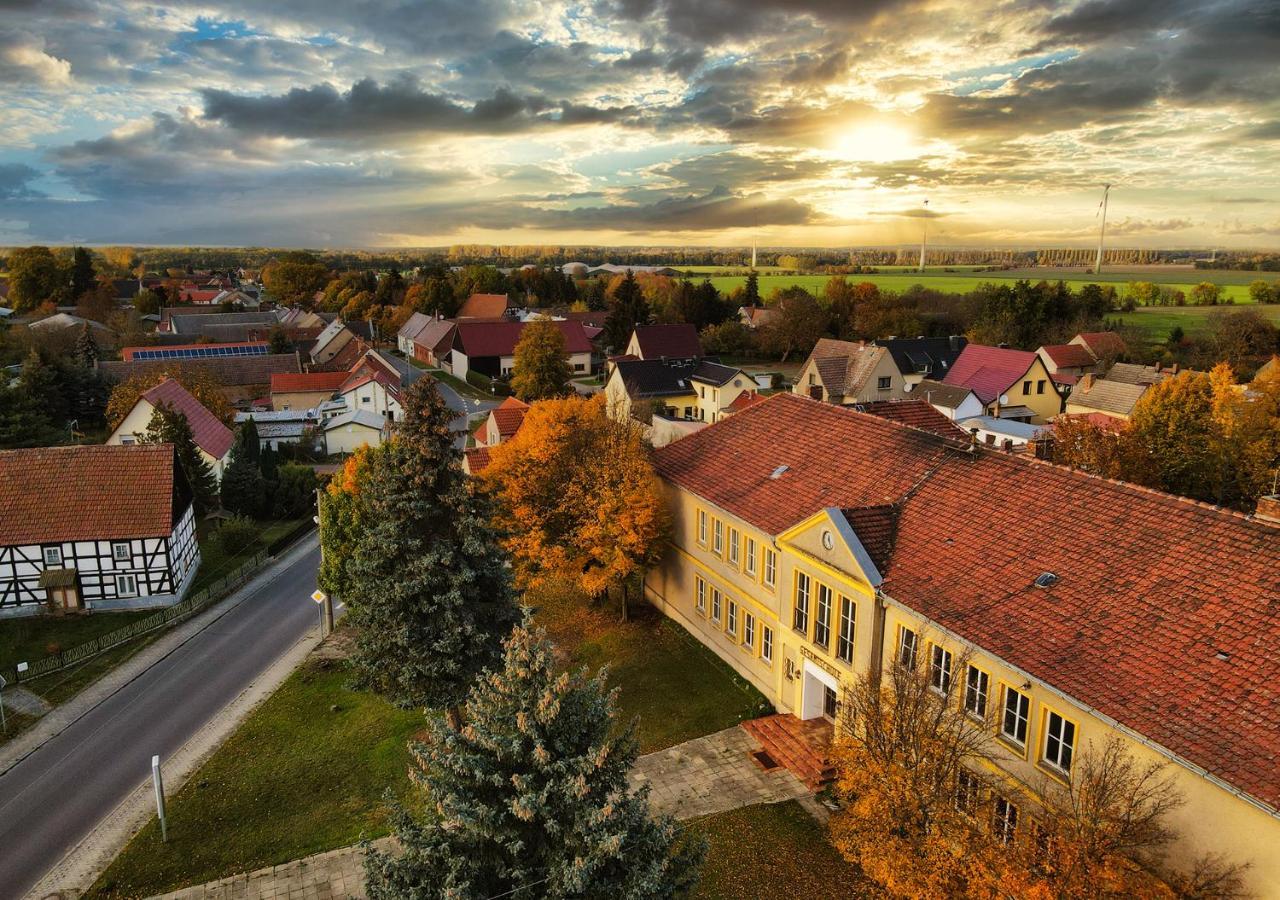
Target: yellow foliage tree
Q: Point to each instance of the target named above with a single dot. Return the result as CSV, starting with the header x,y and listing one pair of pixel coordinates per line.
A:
x,y
197,381
578,498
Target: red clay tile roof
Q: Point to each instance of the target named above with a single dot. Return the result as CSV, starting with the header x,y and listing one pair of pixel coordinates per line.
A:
x,y
478,459
436,334
1103,343
481,339
209,433
287,382
915,413
1148,598
670,341
509,415
1069,355
483,306
729,463
101,492
875,527
989,371
744,400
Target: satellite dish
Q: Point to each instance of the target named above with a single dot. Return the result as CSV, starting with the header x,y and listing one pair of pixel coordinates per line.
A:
x,y
1004,399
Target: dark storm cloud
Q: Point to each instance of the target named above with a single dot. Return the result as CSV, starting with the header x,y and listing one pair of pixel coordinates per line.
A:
x,y
716,210
15,179
400,107
708,21
704,173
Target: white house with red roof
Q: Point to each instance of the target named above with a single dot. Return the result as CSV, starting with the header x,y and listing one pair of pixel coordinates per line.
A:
x,y
212,437
94,527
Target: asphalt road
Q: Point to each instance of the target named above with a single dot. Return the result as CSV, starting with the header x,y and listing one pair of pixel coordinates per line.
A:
x,y
464,407
54,797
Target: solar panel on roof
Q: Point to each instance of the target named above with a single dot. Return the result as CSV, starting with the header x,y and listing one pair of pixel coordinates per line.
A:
x,y
203,352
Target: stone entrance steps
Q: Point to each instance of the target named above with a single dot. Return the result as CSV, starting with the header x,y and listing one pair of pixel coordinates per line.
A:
x,y
800,746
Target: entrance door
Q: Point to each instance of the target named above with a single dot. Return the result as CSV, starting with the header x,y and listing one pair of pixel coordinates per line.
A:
x,y
828,704
819,693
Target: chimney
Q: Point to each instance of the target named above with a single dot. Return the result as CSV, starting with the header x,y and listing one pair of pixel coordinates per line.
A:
x,y
955,341
1086,382
1268,509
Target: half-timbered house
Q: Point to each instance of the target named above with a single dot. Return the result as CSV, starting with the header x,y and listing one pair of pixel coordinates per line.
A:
x,y
94,527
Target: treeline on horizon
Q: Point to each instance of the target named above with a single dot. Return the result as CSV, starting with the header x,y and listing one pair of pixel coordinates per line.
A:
x,y
160,259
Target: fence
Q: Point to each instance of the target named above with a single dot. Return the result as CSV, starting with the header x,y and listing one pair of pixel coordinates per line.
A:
x,y
169,615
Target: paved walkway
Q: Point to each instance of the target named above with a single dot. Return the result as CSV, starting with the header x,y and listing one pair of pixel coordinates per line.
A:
x,y
705,775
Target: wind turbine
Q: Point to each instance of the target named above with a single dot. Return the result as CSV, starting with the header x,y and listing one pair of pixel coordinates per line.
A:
x,y
755,225
924,234
1102,232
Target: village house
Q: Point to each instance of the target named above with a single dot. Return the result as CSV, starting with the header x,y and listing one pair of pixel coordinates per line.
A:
x,y
675,343
217,326
351,430
755,317
375,384
241,379
196,351
304,390
1067,363
485,306
61,321
94,527
914,414
849,372
500,425
340,344
674,398
1012,384
489,347
212,438
1102,395
857,544
1105,346
433,343
279,427
954,401
412,327
921,357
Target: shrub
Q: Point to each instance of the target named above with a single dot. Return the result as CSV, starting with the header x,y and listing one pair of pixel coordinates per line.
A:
x,y
237,533
295,493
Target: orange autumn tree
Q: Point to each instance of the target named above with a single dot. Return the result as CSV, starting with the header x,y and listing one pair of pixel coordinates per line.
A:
x,y
197,382
340,518
578,499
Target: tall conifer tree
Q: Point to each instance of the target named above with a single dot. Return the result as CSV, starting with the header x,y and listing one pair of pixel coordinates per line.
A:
x,y
531,798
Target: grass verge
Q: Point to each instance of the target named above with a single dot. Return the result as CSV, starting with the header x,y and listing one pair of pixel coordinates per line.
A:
x,y
297,778
305,773
773,850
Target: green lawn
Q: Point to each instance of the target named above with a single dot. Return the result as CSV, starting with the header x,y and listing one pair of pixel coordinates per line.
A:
x,y
298,779
35,637
305,773
1155,322
215,564
961,283
676,687
770,851
462,386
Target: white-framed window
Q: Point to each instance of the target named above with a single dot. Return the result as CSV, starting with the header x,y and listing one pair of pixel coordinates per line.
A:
x,y
770,567
715,605
53,556
844,636
883,383
120,552
749,557
906,648
748,630
1013,724
822,617
702,527
731,621
968,792
1059,741
733,546
717,537
940,669
700,594
1005,822
127,440
766,643
975,692
800,613
126,586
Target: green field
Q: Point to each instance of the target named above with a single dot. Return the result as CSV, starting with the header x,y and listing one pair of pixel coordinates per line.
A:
x,y
1157,321
958,282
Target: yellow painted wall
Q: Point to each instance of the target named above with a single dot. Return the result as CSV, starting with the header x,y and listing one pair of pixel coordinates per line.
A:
x,y
135,425
1042,397
299,399
1213,819
1076,410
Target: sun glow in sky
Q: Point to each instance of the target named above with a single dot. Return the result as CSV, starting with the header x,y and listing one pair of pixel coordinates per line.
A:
x,y
794,122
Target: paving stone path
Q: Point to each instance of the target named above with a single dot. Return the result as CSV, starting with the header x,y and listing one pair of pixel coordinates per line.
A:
x,y
19,699
705,775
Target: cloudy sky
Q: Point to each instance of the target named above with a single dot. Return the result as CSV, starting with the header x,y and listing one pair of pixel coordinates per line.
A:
x,y
804,122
